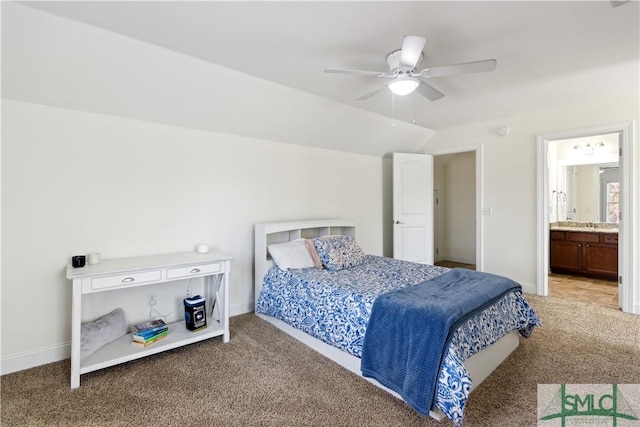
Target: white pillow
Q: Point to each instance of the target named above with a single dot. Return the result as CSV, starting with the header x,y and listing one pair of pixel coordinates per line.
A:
x,y
291,255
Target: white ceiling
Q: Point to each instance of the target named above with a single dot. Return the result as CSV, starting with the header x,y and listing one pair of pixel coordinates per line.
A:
x,y
549,53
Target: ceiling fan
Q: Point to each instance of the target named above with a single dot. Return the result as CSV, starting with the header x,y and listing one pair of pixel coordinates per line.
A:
x,y
404,77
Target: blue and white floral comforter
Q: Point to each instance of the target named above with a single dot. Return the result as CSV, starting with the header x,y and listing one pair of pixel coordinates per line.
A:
x,y
334,306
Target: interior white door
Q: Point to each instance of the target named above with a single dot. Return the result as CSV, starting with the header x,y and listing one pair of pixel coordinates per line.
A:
x,y
413,207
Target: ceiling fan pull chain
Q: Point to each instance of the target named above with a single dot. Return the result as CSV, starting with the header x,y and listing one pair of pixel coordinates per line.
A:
x,y
415,106
393,109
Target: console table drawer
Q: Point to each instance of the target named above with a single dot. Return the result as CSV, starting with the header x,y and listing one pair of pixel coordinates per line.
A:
x,y
175,273
126,279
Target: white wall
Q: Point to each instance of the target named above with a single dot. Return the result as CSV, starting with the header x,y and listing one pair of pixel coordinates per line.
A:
x,y
509,176
76,182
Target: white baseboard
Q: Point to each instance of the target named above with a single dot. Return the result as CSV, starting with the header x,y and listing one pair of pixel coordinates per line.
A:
x,y
529,288
20,362
239,309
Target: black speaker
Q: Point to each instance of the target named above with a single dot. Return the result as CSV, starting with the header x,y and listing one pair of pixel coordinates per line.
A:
x,y
195,314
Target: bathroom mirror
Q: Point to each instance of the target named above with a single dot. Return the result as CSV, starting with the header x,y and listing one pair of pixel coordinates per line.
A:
x,y
584,179
591,193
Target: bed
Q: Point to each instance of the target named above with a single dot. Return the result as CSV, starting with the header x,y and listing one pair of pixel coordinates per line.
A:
x,y
331,309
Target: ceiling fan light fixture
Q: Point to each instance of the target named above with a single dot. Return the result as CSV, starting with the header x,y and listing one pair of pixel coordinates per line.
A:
x,y
404,86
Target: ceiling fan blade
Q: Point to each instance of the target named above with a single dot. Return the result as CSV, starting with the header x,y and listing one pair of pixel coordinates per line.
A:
x,y
411,51
467,67
371,93
357,72
429,92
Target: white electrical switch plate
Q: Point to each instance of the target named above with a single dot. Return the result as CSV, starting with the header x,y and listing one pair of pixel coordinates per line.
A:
x,y
487,210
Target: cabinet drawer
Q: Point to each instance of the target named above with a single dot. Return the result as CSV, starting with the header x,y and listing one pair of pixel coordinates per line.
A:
x,y
126,279
558,235
610,238
584,237
174,273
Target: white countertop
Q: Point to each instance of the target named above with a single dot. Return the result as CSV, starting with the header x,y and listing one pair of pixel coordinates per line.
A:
x,y
583,229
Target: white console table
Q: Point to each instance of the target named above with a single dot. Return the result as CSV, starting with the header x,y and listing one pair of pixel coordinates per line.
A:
x,y
113,274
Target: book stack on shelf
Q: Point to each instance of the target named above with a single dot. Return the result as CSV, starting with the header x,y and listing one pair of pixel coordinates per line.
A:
x,y
148,333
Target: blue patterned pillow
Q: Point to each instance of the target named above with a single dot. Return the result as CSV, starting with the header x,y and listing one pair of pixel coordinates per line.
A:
x,y
338,252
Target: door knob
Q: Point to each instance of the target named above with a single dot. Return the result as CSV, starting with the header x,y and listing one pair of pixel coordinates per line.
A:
x,y
398,222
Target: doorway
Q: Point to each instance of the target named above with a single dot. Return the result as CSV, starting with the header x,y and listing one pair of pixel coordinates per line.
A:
x,y
584,183
455,210
413,195
553,206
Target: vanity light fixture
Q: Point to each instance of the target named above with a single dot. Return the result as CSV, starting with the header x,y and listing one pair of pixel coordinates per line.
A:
x,y
588,149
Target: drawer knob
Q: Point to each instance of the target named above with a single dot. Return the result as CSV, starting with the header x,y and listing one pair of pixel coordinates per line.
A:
x,y
128,280
195,270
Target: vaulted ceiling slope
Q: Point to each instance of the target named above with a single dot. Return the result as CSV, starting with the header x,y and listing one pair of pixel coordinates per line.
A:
x,y
53,61
549,53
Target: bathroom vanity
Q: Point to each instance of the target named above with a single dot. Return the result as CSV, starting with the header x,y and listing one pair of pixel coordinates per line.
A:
x,y
584,249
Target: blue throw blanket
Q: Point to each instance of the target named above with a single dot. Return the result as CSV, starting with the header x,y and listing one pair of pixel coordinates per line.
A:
x,y
409,329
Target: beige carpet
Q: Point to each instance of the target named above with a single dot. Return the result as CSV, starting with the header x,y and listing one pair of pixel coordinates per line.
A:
x,y
265,378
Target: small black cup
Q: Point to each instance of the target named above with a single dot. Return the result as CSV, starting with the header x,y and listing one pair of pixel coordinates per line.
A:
x,y
78,260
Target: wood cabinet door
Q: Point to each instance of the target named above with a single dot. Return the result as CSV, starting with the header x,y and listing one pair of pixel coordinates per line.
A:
x,y
566,256
601,260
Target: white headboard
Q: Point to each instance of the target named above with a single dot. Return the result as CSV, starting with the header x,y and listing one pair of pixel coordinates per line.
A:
x,y
267,233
